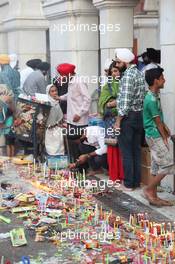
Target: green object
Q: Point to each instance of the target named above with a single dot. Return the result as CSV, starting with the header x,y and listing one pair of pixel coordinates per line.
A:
x,y
5,219
18,237
106,95
152,108
24,209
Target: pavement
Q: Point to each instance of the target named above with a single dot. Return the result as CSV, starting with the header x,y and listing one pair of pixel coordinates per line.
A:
x,y
165,212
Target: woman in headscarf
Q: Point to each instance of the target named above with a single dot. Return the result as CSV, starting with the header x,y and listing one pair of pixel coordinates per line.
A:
x,y
9,76
54,131
107,108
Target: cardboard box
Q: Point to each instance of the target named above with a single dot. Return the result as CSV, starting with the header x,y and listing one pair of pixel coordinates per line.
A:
x,y
146,157
146,176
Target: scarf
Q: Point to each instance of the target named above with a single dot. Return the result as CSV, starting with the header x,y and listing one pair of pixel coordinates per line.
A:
x,y
56,114
11,78
107,94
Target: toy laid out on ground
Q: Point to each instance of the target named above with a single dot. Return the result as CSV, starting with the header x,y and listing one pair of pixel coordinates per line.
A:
x,y
30,122
61,209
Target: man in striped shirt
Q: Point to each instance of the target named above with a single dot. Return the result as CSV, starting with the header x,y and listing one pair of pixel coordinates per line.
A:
x,y
129,119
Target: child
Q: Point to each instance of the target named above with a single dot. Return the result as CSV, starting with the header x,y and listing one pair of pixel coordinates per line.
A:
x,y
157,134
54,140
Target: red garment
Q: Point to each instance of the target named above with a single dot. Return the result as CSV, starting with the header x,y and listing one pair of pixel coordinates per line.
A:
x,y
65,69
115,164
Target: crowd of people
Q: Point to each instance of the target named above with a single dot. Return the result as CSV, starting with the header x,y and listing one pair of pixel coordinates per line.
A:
x,y
129,105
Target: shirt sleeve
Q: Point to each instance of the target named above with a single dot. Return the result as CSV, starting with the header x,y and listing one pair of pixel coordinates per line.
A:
x,y
125,95
63,97
41,85
86,99
153,108
102,147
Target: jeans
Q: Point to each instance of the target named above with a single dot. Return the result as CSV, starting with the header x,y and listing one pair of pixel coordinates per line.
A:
x,y
130,145
96,162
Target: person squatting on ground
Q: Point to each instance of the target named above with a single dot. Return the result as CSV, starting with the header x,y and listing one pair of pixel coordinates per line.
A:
x,y
93,150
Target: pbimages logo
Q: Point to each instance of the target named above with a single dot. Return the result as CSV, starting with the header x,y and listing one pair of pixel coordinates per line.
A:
x,y
103,236
100,185
71,27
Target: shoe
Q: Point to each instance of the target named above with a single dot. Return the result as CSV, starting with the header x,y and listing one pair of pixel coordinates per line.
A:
x,y
152,200
165,202
126,189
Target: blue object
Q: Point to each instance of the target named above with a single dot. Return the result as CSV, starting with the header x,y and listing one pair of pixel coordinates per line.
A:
x,y
25,260
58,161
96,121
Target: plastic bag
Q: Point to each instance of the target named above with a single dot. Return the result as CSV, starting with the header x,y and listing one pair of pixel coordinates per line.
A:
x,y
54,141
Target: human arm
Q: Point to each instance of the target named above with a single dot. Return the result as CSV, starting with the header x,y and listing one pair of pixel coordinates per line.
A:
x,y
162,131
63,97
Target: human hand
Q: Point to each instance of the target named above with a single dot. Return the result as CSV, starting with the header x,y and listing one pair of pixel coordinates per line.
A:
x,y
165,140
76,118
82,158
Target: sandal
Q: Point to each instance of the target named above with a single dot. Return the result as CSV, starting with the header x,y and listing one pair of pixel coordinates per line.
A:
x,y
152,200
165,202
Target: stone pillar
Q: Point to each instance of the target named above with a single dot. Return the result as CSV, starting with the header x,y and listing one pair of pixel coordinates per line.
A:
x,y
118,18
26,27
167,43
3,35
146,27
74,35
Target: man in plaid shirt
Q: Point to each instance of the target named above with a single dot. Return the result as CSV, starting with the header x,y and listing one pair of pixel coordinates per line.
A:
x,y
130,120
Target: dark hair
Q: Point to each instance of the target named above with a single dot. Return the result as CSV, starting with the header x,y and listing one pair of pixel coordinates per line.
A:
x,y
153,74
112,65
43,66
33,63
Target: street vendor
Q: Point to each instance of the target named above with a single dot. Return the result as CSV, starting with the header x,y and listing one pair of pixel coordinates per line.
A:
x,y
93,150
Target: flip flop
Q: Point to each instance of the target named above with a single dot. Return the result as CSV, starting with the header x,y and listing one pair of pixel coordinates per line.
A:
x,y
152,201
165,202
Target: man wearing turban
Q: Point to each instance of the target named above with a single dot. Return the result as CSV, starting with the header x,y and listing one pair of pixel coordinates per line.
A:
x,y
35,82
78,105
129,120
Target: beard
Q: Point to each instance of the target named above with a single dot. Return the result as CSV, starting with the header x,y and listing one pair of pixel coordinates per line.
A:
x,y
123,69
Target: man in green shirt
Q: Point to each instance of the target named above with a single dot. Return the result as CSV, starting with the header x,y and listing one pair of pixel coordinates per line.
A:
x,y
157,136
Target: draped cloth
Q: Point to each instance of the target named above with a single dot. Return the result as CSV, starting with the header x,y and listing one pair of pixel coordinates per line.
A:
x,y
54,140
116,172
11,78
110,92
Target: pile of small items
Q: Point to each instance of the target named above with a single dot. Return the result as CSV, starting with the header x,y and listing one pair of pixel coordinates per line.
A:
x,y
80,228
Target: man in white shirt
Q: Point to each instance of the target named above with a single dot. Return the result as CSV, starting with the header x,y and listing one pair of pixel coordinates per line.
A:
x,y
78,105
93,149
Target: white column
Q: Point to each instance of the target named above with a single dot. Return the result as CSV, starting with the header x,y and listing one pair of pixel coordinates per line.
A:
x,y
72,38
26,27
167,42
146,27
118,18
4,5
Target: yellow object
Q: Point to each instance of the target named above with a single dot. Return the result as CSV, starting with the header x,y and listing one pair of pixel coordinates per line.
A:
x,y
4,59
21,161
